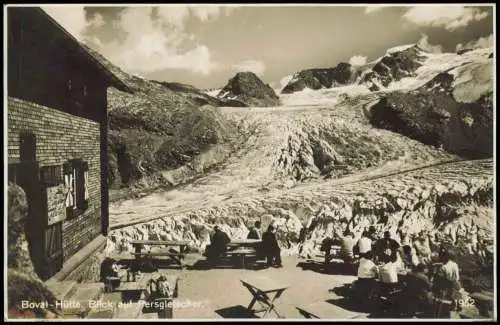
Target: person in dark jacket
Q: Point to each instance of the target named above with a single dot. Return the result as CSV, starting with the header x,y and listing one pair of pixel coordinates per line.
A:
x,y
417,294
386,249
271,248
255,233
110,271
218,244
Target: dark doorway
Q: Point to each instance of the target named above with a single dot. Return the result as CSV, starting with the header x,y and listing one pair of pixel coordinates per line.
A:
x,y
45,243
53,249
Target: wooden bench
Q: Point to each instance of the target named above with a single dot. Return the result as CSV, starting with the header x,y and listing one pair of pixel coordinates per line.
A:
x,y
176,256
131,291
326,310
242,254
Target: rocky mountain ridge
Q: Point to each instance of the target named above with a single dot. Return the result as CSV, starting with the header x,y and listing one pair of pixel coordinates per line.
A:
x,y
407,66
453,110
249,90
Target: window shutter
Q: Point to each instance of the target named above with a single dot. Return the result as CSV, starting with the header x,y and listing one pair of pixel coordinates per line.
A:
x,y
86,184
69,188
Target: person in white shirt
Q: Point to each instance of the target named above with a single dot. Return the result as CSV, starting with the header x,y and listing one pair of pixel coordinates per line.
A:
x,y
347,243
450,271
364,243
367,268
389,272
422,248
367,277
446,283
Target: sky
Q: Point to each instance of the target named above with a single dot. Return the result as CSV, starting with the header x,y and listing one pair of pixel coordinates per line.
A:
x,y
205,45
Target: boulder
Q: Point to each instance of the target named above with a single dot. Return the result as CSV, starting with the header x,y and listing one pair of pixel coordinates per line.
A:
x,y
18,249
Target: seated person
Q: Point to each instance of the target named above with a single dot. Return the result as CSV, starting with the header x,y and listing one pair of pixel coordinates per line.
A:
x,y
422,248
254,232
388,273
271,248
326,247
408,257
367,277
218,244
110,269
386,247
388,283
163,289
417,294
364,244
372,234
347,244
447,280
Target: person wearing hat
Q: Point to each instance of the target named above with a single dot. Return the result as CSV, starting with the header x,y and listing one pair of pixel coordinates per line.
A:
x,y
271,248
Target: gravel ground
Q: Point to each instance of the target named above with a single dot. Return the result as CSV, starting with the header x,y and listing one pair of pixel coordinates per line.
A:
x,y
215,293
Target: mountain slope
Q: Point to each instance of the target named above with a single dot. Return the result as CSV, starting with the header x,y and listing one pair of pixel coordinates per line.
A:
x,y
163,126
440,99
247,89
453,110
400,68
315,79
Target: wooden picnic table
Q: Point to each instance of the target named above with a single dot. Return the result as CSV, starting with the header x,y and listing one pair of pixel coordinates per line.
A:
x,y
177,256
242,254
131,291
251,243
265,291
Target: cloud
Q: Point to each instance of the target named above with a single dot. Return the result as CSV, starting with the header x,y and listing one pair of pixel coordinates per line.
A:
x,y
172,16
257,67
153,44
482,42
358,60
206,13
152,36
449,17
372,9
424,44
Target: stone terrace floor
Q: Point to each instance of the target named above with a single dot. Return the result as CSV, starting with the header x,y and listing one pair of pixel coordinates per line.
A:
x,y
214,293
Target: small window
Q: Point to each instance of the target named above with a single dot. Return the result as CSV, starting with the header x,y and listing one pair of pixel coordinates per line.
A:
x,y
85,91
76,184
70,85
